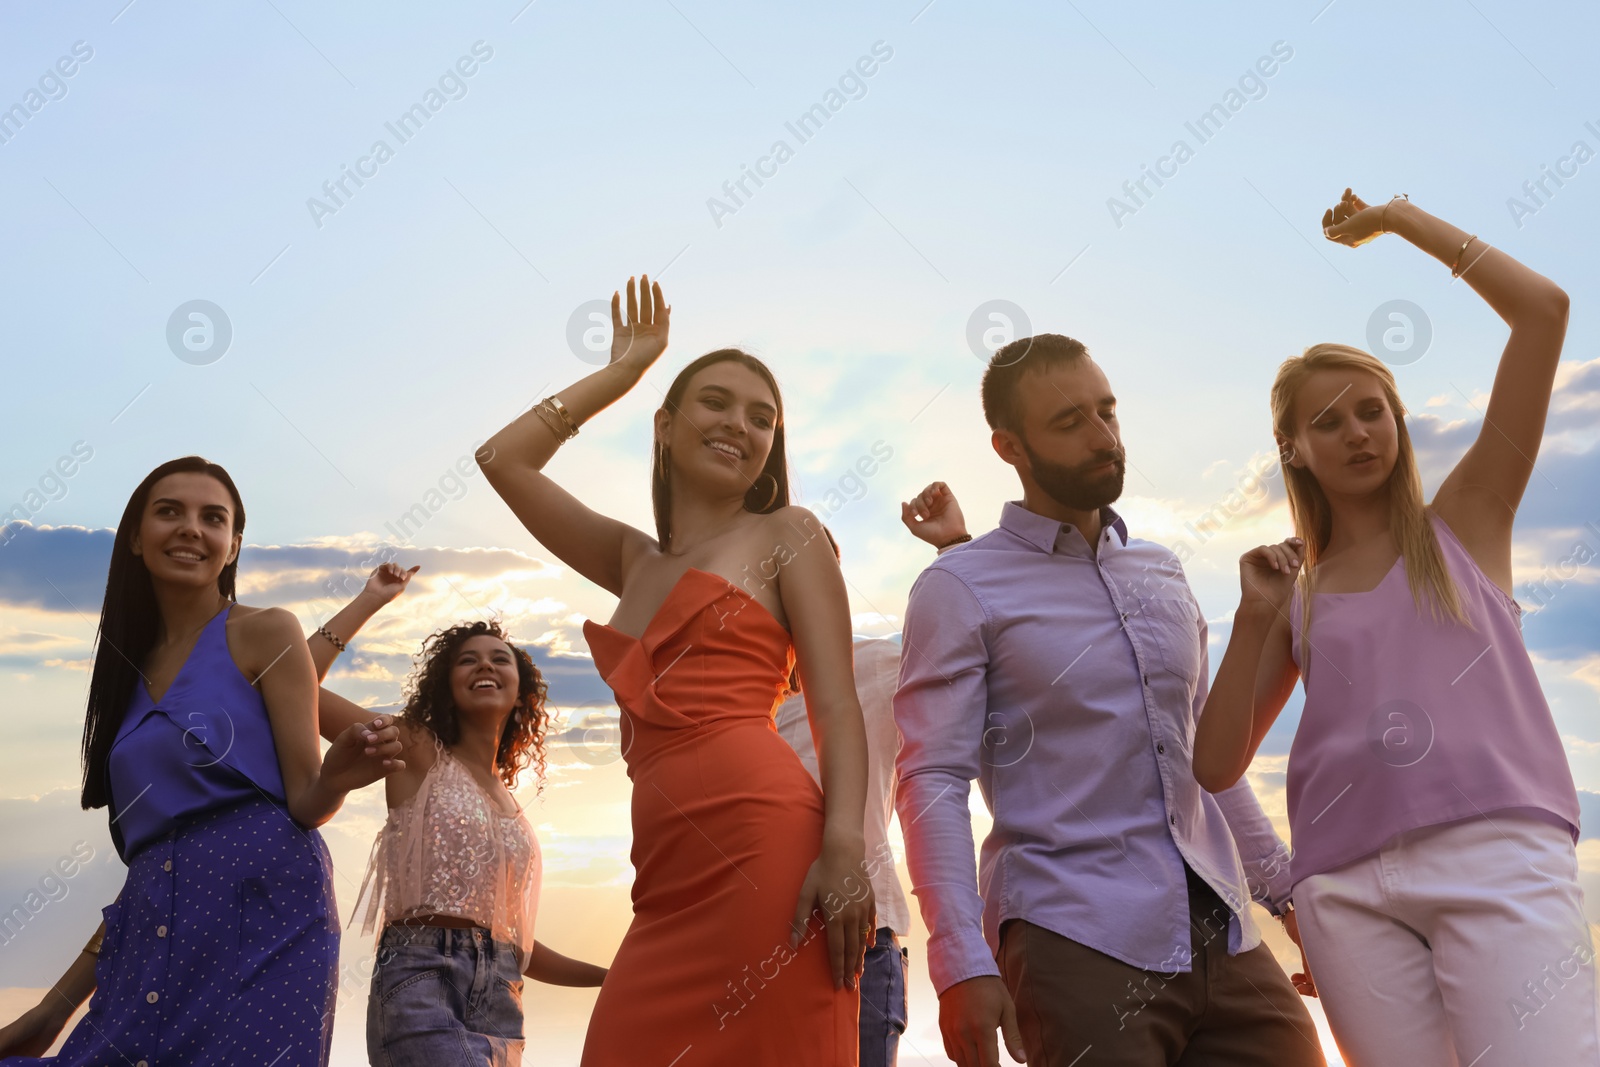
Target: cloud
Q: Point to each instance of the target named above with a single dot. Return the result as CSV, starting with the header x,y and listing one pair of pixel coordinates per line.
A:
x,y
58,871
1565,627
1566,481
63,568
46,570
57,568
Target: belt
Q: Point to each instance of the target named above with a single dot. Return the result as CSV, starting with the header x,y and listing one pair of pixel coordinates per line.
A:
x,y
449,922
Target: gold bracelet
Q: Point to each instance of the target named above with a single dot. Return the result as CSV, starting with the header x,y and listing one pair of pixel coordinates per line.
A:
x,y
566,416
329,636
93,947
1454,267
1383,218
547,414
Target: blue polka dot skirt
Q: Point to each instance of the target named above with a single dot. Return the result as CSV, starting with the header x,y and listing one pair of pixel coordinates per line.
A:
x,y
222,950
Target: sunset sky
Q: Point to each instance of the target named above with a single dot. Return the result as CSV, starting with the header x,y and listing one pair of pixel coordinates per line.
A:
x,y
379,326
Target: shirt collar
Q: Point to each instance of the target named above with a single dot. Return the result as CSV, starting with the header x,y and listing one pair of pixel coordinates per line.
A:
x,y
1043,532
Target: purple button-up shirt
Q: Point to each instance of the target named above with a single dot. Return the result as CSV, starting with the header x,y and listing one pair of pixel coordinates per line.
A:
x,y
1068,683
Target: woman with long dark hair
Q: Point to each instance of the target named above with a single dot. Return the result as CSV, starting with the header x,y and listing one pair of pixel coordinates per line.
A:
x,y
1431,804
452,887
752,909
201,739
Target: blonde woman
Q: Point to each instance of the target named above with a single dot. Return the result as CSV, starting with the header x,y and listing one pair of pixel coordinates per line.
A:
x,y
1432,810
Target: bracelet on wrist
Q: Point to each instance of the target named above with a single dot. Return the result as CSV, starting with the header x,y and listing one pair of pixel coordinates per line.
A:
x,y
963,539
1455,268
1383,218
330,637
558,418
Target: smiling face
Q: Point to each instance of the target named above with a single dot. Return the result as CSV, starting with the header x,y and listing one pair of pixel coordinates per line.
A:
x,y
1346,432
720,433
186,532
483,679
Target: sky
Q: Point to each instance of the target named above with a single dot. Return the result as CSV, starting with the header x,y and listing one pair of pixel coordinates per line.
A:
x,y
192,268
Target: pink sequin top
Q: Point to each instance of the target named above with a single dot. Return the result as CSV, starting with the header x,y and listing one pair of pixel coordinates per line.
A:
x,y
450,851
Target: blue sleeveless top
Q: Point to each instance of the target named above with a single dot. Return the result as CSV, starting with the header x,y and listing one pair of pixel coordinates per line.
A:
x,y
204,746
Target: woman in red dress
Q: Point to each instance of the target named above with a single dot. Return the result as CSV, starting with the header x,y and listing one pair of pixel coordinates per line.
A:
x,y
752,911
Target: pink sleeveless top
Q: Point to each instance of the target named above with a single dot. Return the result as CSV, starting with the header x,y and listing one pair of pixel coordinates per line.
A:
x,y
450,851
1411,721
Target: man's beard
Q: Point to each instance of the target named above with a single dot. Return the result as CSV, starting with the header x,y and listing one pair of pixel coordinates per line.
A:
x,y
1071,487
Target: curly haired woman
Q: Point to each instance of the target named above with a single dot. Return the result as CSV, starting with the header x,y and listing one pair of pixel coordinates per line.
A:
x,y
453,882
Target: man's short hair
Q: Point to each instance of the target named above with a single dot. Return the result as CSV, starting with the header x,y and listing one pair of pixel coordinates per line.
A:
x,y
1002,382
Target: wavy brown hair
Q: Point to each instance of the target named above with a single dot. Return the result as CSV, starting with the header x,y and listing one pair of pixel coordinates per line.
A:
x,y
430,703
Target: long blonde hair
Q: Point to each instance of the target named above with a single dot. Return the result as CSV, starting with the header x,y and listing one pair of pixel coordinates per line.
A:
x,y
1431,585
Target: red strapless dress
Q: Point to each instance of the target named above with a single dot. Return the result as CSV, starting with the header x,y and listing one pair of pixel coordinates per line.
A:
x,y
726,822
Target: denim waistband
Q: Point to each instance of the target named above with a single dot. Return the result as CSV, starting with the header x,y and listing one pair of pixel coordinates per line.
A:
x,y
448,940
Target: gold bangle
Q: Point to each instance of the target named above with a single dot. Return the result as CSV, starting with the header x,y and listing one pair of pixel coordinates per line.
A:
x,y
332,638
1454,267
566,416
93,946
1383,219
547,414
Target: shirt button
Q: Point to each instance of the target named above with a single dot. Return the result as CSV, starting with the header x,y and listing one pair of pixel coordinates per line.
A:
x,y
161,931
1160,748
1147,679
167,866
142,1063
1173,819
152,996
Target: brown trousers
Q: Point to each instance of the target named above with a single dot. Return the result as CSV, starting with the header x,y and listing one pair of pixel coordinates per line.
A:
x,y
1081,1008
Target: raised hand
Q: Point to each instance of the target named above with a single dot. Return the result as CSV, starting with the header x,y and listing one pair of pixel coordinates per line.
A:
x,y
933,515
388,581
1267,573
363,753
640,340
1352,221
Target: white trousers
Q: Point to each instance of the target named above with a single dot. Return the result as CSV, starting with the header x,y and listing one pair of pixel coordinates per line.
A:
x,y
1461,945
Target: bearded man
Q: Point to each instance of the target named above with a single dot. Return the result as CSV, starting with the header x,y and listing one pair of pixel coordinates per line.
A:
x,y
1062,664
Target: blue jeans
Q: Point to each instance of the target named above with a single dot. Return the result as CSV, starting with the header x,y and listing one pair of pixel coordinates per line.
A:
x,y
442,997
883,1001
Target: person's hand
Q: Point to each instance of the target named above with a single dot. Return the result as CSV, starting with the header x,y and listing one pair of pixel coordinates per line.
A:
x,y
1267,573
1352,221
969,1014
32,1034
363,753
933,515
640,341
388,581
837,875
1302,981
